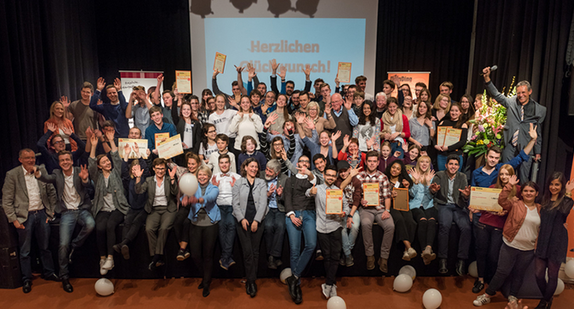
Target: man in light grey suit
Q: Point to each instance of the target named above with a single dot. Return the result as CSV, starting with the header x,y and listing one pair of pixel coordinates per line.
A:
x,y
29,204
73,202
521,111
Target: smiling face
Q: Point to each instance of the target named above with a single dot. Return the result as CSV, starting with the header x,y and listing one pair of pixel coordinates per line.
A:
x,y
86,94
372,164
492,159
444,90
353,148
523,94
186,110
211,104
424,96
289,87
443,103
134,133
385,151
28,159
324,139
313,111
304,162
270,98
281,101
451,167
454,112
105,164
408,103
252,169
330,177
59,110
235,89
320,164
66,162
367,110
424,165
336,101
413,153
392,109
192,165
422,108
387,89
362,85
477,103
504,176
270,173
395,170
58,143
249,146
255,99
529,194
464,103
220,103
278,146
555,187
325,92
262,88
245,105
206,96
156,117
381,102
211,133
113,94
304,100
202,177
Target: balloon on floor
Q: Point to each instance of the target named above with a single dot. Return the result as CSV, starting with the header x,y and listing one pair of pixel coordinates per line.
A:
x,y
408,270
336,302
285,273
432,299
403,283
569,269
104,287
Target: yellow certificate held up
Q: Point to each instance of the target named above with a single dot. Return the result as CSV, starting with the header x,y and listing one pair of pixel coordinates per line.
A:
x,y
219,63
440,135
334,202
401,201
183,81
452,136
137,148
485,199
371,193
170,148
160,138
344,72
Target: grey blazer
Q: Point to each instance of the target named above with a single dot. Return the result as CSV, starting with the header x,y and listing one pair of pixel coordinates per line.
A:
x,y
240,195
513,122
149,187
440,197
115,185
15,196
57,178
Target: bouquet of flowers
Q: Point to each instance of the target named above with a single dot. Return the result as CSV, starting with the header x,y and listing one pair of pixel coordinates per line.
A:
x,y
488,125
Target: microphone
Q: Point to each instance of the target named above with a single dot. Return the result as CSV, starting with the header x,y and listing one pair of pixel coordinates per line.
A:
x,y
492,69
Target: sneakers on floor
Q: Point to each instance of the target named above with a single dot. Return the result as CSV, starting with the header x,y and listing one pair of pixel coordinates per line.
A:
x,y
326,290
481,300
478,286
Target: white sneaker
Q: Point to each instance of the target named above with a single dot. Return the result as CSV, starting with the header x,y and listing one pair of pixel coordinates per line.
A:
x,y
109,264
513,300
406,256
102,270
481,300
412,253
326,290
333,290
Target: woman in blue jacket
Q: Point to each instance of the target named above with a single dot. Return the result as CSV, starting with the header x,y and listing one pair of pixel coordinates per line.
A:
x,y
204,215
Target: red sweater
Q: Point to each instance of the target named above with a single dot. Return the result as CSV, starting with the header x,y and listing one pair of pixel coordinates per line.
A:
x,y
406,127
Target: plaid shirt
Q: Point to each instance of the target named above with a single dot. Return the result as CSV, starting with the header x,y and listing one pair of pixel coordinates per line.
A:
x,y
384,187
203,117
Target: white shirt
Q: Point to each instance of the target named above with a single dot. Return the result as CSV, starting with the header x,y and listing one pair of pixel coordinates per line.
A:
x,y
188,135
222,121
34,199
525,239
70,197
159,199
225,187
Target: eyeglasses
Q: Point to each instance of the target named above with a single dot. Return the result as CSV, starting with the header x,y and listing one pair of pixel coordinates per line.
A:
x,y
212,131
56,142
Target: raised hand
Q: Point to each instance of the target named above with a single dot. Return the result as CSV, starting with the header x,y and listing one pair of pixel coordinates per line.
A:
x,y
397,154
239,69
300,117
110,135
127,150
51,126
310,123
274,66
465,191
335,136
282,72
415,175
101,84
214,181
271,190
327,109
232,102
307,71
513,180
337,83
94,140
65,102
279,191
348,104
313,190
89,132
118,84
434,187
371,142
346,141
84,173
569,186
406,183
271,120
355,171
160,79
67,130
172,173
532,132
430,176
251,70
137,171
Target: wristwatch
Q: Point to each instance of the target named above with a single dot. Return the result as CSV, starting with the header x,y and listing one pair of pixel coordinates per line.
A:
x,y
349,216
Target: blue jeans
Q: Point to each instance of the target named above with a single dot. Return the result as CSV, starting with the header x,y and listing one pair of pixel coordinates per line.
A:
x,y
226,231
274,232
300,259
349,236
446,215
441,162
67,224
35,225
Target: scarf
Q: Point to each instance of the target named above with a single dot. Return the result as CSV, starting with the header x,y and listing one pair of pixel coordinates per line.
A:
x,y
350,159
391,121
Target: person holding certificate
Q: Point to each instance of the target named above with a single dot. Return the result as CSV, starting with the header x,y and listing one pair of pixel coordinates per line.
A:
x,y
453,142
329,209
405,225
371,211
157,128
188,128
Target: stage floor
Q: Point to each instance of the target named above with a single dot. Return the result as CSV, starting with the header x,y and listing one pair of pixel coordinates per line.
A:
x,y
358,292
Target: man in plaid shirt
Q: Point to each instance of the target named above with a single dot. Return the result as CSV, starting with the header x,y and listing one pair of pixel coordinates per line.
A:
x,y
368,214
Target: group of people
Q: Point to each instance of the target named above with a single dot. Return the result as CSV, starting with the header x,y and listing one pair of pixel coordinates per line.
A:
x,y
264,161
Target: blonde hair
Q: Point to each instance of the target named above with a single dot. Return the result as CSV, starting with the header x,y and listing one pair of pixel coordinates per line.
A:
x,y
436,104
53,107
418,168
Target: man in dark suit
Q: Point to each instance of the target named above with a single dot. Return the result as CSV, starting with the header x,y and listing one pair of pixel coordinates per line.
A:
x,y
521,111
29,205
73,202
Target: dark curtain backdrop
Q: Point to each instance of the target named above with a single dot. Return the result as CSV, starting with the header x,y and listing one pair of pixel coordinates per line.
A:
x,y
419,35
528,39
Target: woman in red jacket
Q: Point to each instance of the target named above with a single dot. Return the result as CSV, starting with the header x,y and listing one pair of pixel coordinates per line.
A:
x,y
395,127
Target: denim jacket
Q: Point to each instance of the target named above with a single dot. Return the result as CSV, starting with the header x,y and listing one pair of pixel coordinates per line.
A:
x,y
209,199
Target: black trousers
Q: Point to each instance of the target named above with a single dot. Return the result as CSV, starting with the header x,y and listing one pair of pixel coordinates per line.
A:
x,y
405,225
427,223
250,243
202,245
181,224
135,219
488,243
331,246
511,262
106,223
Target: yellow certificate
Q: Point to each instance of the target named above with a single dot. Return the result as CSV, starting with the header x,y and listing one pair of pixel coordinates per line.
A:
x,y
452,136
137,148
219,63
440,135
401,202
183,81
170,148
160,138
485,199
334,202
371,193
344,72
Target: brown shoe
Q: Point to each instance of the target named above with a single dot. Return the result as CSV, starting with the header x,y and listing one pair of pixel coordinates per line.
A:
x,y
370,262
383,265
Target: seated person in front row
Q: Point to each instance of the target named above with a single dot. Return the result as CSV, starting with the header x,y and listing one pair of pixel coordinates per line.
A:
x,y
72,186
451,193
29,204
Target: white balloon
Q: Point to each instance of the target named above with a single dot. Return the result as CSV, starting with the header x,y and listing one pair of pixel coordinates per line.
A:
x,y
403,283
336,302
408,270
559,287
569,269
104,287
188,184
432,299
285,273
472,270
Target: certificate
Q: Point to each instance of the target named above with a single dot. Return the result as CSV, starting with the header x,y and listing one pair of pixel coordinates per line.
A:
x,y
485,199
183,81
334,202
440,135
344,72
160,138
401,201
452,136
219,63
371,193
137,148
170,148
